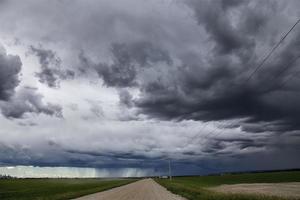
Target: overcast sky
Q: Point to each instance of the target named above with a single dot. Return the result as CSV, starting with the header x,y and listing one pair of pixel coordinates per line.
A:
x,y
123,86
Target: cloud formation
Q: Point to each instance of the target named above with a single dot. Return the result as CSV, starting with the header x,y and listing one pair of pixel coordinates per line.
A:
x,y
217,89
127,61
10,67
28,100
51,71
142,82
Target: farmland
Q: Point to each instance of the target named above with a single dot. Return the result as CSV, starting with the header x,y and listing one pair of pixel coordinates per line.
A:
x,y
55,189
200,187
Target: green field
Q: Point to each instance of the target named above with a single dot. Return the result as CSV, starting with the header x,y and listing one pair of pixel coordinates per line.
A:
x,y
54,189
196,188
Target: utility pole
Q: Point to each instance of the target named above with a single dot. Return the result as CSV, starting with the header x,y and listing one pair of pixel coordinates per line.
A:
x,y
170,174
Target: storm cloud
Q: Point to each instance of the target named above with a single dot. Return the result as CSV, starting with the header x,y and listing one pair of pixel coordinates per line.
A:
x,y
132,84
10,67
51,71
128,60
28,100
14,104
218,89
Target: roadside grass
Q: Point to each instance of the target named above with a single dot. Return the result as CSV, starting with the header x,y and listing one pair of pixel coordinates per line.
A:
x,y
55,189
197,188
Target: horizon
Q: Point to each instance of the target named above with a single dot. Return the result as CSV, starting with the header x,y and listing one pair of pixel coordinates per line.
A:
x,y
21,172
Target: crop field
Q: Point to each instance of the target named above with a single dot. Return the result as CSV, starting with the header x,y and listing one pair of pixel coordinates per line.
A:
x,y
55,189
200,187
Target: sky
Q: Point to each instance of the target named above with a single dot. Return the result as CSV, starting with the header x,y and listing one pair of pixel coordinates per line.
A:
x,y
119,88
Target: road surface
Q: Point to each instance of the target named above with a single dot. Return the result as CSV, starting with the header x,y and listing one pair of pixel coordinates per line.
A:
x,y
288,190
146,189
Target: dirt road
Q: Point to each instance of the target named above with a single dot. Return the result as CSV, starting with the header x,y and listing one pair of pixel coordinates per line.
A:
x,y
274,189
146,189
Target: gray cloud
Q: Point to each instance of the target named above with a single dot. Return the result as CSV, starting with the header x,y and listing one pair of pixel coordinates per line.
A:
x,y
10,67
27,100
127,61
95,108
125,98
180,62
18,152
51,71
214,17
217,89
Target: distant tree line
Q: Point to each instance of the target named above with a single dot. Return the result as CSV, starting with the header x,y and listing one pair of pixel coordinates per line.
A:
x,y
6,177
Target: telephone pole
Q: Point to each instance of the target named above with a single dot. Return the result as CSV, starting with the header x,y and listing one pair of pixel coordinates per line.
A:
x,y
170,174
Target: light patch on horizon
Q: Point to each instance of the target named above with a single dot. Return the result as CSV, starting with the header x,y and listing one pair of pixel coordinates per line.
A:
x,y
71,172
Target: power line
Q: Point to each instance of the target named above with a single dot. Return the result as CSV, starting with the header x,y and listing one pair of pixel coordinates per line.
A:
x,y
281,72
269,89
271,52
251,75
261,64
280,86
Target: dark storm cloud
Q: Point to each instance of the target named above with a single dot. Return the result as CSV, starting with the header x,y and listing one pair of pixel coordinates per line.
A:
x,y
51,70
127,60
213,15
10,67
218,89
115,155
278,127
18,152
53,154
28,100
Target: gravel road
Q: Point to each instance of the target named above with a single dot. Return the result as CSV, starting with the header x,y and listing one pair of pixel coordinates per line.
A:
x,y
288,190
146,189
